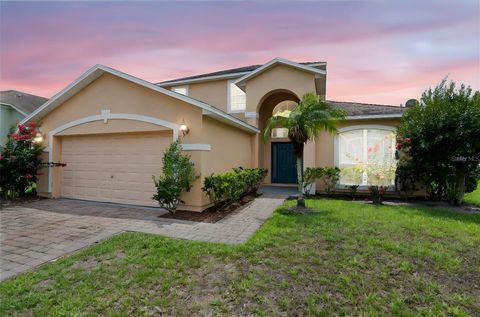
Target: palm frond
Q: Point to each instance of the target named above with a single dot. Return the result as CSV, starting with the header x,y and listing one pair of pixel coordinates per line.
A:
x,y
305,122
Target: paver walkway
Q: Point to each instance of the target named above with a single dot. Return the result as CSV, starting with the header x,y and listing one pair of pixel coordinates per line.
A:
x,y
42,231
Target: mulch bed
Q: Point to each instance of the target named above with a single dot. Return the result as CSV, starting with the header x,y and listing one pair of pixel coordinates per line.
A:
x,y
19,201
210,215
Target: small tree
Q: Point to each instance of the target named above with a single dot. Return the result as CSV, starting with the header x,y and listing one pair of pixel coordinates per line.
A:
x,y
19,161
178,176
304,123
438,141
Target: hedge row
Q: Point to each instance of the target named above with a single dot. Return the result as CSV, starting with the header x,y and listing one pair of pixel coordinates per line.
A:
x,y
225,188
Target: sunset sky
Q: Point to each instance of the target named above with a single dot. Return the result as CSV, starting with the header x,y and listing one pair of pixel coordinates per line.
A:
x,y
377,51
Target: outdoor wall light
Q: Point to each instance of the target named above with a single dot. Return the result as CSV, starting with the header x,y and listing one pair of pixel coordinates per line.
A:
x,y
184,128
38,138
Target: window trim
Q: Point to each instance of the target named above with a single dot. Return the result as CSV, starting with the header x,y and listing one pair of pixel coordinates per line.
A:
x,y
353,128
181,86
229,105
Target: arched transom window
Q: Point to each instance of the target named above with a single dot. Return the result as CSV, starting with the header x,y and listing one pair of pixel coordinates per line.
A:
x,y
366,155
282,108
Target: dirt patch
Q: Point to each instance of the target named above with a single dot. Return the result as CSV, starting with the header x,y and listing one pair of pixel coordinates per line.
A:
x,y
44,283
212,214
87,264
92,262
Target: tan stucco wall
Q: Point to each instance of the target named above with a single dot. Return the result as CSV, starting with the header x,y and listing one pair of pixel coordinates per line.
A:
x,y
230,147
211,92
278,77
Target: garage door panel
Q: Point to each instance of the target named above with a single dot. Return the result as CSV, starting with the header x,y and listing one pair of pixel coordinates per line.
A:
x,y
114,168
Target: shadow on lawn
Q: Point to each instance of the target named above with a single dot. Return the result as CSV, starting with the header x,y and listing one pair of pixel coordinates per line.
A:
x,y
317,209
435,212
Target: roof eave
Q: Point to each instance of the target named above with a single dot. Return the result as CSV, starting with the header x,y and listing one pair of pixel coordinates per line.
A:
x,y
201,79
98,70
23,113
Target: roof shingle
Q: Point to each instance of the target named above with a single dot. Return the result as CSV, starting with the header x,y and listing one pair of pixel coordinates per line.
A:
x,y
21,100
361,109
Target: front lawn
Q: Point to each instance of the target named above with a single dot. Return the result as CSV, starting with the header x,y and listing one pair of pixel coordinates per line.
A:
x,y
474,197
346,258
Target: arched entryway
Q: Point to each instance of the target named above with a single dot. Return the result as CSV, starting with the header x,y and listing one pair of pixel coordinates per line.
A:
x,y
277,154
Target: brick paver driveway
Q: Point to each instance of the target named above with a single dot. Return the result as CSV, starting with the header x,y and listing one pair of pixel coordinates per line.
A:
x,y
42,231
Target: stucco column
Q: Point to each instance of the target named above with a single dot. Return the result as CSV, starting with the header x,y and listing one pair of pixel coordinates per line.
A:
x,y
309,158
309,155
194,199
56,172
255,141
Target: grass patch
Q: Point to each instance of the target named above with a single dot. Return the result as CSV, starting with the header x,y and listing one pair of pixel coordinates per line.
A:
x,y
345,258
474,197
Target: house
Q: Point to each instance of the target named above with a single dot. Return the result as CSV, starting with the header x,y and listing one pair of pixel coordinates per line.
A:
x,y
14,106
111,130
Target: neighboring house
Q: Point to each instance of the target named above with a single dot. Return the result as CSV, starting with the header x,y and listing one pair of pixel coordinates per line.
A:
x,y
111,130
14,106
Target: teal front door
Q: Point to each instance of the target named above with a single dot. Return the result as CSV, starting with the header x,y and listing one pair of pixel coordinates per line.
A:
x,y
283,163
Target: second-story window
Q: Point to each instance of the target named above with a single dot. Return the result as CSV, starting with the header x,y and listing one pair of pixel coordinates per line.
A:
x,y
237,99
181,90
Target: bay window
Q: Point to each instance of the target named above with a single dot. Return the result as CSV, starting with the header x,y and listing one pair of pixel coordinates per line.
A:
x,y
366,156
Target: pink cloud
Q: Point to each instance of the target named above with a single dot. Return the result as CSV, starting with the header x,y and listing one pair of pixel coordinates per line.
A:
x,y
368,47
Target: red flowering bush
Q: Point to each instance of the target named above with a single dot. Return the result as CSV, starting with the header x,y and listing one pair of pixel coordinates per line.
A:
x,y
438,143
19,161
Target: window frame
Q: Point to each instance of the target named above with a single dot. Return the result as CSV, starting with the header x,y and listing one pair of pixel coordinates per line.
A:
x,y
181,86
336,147
229,100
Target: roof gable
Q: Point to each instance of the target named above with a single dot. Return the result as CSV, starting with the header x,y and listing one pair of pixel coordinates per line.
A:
x,y
223,74
98,70
274,62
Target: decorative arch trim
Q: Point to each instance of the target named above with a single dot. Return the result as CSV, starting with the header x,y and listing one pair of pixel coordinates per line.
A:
x,y
105,116
276,91
367,126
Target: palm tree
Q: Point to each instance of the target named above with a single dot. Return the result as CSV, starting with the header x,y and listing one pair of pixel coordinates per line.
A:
x,y
304,123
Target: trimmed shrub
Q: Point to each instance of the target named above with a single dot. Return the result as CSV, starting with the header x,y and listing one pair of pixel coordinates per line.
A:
x,y
310,175
376,193
329,176
225,188
178,176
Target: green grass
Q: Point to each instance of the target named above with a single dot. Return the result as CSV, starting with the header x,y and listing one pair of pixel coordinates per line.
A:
x,y
474,197
345,258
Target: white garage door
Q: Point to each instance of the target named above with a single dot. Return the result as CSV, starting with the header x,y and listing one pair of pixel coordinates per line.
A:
x,y
113,168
